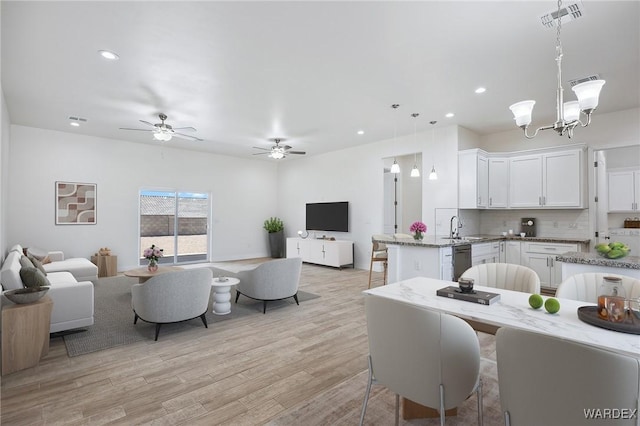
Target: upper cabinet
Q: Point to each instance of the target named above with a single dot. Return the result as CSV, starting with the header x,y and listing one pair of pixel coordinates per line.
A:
x,y
624,190
542,179
473,179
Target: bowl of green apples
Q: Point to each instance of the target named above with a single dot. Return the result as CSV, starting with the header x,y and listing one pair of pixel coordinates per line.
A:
x,y
615,250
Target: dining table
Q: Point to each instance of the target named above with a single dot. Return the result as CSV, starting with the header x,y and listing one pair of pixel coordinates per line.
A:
x,y
511,310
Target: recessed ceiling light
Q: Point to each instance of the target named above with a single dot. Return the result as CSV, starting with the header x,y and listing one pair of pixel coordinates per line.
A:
x,y
361,132
449,115
75,121
481,90
74,124
107,54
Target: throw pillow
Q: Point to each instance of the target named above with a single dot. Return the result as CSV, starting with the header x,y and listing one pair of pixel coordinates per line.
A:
x,y
37,264
32,277
26,262
38,253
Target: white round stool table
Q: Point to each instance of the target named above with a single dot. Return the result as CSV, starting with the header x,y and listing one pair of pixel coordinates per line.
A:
x,y
222,294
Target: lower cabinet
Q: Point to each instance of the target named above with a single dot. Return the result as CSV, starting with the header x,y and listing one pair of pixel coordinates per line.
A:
x,y
541,257
336,253
485,253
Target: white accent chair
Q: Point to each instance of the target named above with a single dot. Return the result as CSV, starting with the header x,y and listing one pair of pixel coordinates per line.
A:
x,y
584,287
379,253
273,280
428,357
507,276
548,381
172,297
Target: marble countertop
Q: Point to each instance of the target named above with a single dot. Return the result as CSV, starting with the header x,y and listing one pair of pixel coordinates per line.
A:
x,y
629,262
512,310
441,241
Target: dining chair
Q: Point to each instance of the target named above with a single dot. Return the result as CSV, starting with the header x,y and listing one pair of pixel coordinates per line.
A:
x,y
507,276
379,253
428,357
584,287
545,380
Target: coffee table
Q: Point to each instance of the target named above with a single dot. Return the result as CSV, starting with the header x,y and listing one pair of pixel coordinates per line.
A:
x,y
222,294
143,274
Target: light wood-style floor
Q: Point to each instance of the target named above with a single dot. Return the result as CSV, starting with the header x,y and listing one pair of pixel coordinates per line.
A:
x,y
251,370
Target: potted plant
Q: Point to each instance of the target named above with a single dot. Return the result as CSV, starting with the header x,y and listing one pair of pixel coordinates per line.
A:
x,y
275,228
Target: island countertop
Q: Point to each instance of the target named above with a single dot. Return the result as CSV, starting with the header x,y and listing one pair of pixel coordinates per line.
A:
x,y
590,258
435,241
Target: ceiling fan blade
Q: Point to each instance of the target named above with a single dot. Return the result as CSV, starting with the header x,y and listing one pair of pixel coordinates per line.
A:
x,y
147,123
141,130
286,147
191,129
261,153
264,149
296,152
188,137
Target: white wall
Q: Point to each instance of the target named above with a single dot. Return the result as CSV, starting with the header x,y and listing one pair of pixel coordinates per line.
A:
x,y
356,175
4,172
244,193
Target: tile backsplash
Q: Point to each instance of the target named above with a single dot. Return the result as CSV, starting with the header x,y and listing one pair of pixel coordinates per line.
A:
x,y
549,223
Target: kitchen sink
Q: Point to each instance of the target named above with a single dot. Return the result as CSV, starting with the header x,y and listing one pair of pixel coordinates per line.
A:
x,y
464,238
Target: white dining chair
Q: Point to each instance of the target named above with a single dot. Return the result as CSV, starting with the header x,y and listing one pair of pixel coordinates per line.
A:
x,y
428,357
585,287
544,380
507,276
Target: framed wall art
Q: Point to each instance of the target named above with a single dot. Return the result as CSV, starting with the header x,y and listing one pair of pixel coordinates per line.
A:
x,y
75,203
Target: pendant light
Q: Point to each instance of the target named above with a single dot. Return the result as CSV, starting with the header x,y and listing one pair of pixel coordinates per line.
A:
x,y
415,172
395,167
433,175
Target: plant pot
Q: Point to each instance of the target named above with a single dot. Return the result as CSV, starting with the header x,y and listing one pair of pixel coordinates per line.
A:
x,y
276,244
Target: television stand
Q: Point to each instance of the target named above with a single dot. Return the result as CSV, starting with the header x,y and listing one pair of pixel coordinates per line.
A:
x,y
336,253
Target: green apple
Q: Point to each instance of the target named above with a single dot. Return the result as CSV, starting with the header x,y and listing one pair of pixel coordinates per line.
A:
x,y
535,301
552,305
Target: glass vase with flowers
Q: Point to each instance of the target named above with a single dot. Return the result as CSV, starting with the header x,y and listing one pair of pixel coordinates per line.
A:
x,y
418,228
152,254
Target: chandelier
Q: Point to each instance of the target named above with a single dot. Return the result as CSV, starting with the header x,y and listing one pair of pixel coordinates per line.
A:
x,y
567,113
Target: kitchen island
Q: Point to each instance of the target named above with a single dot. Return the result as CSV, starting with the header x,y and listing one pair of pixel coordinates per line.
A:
x,y
579,263
441,257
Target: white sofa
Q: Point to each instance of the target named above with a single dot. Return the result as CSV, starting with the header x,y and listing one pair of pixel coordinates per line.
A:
x,y
72,299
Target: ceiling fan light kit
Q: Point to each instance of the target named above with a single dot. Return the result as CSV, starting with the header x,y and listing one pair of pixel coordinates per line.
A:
x,y
587,92
277,151
164,132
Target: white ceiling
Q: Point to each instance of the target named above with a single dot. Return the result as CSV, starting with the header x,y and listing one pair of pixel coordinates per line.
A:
x,y
311,72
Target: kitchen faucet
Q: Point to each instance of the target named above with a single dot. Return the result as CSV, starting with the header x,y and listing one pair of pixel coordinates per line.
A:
x,y
453,232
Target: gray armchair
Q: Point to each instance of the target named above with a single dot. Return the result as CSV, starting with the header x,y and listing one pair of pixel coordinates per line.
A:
x,y
269,281
172,297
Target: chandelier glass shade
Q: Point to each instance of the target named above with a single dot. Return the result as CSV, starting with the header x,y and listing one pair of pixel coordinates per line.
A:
x,y
567,113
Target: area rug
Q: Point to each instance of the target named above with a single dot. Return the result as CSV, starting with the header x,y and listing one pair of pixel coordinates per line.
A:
x,y
113,317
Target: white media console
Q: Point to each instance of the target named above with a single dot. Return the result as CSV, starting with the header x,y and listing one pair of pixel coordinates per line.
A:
x,y
336,253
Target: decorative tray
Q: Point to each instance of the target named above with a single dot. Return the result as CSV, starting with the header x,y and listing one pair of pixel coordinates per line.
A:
x,y
589,314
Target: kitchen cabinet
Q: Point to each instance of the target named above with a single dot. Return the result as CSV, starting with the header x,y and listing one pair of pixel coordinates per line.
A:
x,y
473,179
446,264
548,180
485,253
541,257
624,190
503,251
513,252
336,253
498,182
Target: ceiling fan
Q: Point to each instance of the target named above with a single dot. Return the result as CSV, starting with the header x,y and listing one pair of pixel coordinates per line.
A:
x,y
278,151
164,132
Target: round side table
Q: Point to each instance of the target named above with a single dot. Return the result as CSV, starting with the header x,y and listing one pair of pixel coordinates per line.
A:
x,y
222,295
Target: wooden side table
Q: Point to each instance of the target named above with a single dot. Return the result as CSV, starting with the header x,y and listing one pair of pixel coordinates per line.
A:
x,y
25,334
107,265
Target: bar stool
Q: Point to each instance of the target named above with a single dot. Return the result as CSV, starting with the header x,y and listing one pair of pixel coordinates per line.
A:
x,y
378,254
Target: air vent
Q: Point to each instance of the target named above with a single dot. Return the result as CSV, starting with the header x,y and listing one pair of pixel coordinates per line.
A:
x,y
571,12
582,80
83,120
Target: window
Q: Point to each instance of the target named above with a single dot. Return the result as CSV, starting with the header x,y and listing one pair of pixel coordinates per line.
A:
x,y
177,222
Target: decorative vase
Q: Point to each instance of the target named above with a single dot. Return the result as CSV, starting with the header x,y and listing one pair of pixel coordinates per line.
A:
x,y
153,266
418,236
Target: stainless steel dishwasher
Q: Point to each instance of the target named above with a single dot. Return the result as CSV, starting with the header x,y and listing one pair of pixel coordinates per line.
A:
x,y
461,260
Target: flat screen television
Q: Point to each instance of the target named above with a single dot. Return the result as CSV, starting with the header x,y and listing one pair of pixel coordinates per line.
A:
x,y
328,216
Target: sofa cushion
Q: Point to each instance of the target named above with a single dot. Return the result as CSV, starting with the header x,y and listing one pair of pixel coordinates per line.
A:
x,y
17,248
10,275
32,277
61,277
78,266
37,264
